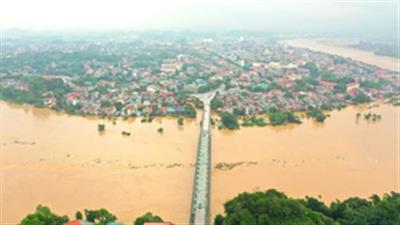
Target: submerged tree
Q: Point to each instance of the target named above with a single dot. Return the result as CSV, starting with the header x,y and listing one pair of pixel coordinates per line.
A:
x,y
78,215
229,121
101,127
148,217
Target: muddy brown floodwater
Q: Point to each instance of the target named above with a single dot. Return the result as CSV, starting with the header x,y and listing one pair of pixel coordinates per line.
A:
x,y
329,47
62,161
341,158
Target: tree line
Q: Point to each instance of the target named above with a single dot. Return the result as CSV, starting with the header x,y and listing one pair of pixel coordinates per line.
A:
x,y
275,208
270,207
44,216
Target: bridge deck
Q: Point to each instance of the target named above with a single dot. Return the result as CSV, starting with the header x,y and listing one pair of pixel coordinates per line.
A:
x,y
201,187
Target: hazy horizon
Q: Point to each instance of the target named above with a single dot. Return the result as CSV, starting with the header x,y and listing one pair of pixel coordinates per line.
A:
x,y
361,18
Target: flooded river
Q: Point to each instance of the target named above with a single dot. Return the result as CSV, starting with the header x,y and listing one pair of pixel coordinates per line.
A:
x,y
385,62
63,162
342,157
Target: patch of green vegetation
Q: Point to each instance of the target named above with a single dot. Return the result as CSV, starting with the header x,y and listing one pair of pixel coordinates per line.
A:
x,y
148,217
313,68
275,208
373,84
190,111
229,121
180,121
44,216
317,114
361,98
371,116
101,127
395,100
253,121
126,133
34,95
215,103
100,216
282,118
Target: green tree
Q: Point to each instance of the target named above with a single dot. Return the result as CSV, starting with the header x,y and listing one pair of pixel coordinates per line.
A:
x,y
219,220
275,208
270,208
44,216
148,217
316,205
105,104
281,118
119,106
312,67
101,127
317,114
215,103
229,121
357,211
361,98
78,215
100,216
190,111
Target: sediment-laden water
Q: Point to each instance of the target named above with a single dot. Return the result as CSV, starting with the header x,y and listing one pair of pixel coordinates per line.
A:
x,y
64,162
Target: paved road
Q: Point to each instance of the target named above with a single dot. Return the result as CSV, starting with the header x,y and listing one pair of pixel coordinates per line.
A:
x,y
201,189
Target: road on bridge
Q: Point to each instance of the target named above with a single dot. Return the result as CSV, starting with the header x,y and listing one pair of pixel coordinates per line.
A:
x,y
201,188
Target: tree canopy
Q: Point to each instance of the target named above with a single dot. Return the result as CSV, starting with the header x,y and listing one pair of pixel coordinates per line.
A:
x,y
275,208
148,217
43,216
100,216
229,121
281,118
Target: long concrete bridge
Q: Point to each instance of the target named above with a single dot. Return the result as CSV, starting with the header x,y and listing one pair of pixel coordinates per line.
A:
x,y
200,209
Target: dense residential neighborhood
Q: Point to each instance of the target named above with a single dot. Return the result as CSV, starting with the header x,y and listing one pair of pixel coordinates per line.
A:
x,y
129,75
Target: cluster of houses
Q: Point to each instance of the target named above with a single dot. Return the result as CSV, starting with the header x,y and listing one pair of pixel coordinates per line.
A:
x,y
147,79
277,76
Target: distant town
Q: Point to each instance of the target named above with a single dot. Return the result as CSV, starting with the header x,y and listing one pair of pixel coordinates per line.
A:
x,y
137,75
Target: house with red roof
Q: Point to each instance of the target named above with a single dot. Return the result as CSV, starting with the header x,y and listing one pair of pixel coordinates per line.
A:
x,y
327,83
79,222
